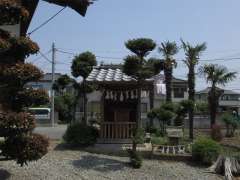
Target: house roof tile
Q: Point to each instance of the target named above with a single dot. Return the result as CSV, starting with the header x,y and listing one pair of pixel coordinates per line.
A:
x,y
101,74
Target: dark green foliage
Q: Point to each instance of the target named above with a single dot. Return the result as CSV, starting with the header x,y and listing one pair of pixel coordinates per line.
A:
x,y
138,135
164,114
64,105
132,65
62,82
136,65
135,159
25,148
79,135
205,150
141,46
232,122
181,111
157,65
158,140
216,133
83,64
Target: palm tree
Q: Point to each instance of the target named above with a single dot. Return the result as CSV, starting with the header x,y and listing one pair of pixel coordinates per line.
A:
x,y
168,50
192,54
215,75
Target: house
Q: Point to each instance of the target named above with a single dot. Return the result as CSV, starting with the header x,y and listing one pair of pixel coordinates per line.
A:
x,y
21,28
114,103
45,83
228,101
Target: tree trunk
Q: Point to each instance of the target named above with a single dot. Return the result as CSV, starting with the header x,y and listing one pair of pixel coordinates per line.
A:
x,y
213,100
151,100
212,106
168,81
84,103
139,123
227,166
191,97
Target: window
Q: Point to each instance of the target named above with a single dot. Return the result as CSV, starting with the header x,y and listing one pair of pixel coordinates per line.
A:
x,y
178,92
144,108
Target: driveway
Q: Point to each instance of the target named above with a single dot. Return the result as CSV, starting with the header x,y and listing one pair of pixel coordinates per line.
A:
x,y
78,165
54,133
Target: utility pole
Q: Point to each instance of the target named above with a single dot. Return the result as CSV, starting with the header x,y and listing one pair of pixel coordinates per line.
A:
x,y
53,80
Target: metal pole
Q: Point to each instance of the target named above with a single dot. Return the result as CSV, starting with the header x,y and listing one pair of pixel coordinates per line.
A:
x,y
53,80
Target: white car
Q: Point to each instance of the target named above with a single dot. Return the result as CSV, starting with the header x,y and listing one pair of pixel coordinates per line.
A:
x,y
40,113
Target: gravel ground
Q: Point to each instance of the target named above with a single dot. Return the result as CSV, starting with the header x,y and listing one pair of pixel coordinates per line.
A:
x,y
78,165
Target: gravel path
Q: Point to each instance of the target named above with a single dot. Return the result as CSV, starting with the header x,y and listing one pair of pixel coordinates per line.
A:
x,y
78,165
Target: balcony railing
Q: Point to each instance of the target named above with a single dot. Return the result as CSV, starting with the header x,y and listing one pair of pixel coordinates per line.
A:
x,y
117,130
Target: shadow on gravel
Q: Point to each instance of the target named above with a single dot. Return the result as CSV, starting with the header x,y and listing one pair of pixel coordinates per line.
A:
x,y
99,164
4,174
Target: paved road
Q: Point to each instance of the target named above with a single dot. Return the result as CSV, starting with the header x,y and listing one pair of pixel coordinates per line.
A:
x,y
54,133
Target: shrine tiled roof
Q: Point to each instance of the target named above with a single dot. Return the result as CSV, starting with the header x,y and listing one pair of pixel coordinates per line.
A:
x,y
101,74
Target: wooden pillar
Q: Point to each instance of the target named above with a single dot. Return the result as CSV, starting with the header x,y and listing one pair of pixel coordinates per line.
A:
x,y
102,113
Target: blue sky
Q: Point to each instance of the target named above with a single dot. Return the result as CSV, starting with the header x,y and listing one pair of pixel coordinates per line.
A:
x,y
109,23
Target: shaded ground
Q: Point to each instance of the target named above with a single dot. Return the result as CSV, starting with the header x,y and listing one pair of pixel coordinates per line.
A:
x,y
78,165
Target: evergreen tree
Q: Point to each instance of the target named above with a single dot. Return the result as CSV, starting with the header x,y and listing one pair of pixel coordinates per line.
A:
x,y
82,65
138,67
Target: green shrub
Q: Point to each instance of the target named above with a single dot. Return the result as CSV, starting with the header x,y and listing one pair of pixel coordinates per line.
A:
x,y
138,136
158,140
232,123
205,150
78,134
135,159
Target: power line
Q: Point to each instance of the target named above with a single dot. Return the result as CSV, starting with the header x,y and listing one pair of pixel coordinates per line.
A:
x,y
120,58
45,57
47,21
38,58
104,57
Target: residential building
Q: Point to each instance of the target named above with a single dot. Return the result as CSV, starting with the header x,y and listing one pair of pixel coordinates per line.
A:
x,y
228,101
45,83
